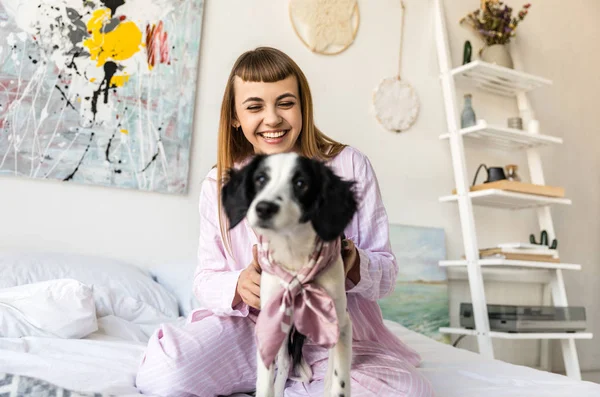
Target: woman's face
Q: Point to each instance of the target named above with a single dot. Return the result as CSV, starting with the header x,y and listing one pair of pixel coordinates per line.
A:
x,y
270,114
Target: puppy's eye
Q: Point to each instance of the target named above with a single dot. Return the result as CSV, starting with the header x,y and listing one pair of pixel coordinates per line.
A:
x,y
260,180
300,184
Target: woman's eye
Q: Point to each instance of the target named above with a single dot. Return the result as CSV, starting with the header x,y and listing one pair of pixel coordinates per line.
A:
x,y
255,107
286,104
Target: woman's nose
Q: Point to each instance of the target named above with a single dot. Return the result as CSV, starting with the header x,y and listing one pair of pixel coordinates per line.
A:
x,y
272,117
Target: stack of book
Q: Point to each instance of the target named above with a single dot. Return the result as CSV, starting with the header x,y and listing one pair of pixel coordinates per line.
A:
x,y
520,252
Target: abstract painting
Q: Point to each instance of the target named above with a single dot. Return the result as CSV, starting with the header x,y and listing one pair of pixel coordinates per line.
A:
x,y
420,299
99,92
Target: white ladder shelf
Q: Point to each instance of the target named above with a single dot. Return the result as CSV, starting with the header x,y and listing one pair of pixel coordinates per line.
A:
x,y
511,83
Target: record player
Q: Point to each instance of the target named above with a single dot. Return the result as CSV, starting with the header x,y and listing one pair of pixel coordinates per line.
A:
x,y
508,318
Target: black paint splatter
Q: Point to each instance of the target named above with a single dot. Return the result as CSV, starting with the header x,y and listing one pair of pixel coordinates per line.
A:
x,y
65,97
68,178
151,161
108,148
110,68
113,5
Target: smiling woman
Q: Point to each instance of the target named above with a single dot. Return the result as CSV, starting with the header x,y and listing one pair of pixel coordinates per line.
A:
x,y
267,108
269,114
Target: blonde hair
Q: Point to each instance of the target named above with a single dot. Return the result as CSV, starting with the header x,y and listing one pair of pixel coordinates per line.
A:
x,y
265,64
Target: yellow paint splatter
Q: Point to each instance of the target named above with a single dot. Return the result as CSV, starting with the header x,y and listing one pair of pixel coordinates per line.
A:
x,y
92,79
125,131
118,81
117,45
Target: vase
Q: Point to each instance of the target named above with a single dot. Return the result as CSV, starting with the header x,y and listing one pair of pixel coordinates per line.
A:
x,y
497,54
467,117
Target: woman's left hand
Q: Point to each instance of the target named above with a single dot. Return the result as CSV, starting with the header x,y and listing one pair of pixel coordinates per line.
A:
x,y
351,261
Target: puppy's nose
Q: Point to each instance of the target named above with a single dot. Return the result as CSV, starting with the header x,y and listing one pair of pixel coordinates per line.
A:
x,y
266,209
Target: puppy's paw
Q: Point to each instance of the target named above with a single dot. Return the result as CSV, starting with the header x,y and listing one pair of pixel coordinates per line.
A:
x,y
265,393
339,384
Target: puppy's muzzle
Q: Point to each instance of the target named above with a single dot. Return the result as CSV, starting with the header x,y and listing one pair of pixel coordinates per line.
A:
x,y
265,210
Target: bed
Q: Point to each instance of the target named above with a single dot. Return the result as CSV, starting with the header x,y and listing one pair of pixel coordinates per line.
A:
x,y
99,354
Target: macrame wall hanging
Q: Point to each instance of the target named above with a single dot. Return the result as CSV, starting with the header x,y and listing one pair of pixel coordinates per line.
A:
x,y
395,101
325,26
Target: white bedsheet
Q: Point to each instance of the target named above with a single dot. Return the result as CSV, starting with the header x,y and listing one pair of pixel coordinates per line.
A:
x,y
457,372
107,360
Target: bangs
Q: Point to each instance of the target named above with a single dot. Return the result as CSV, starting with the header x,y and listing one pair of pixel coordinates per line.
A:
x,y
264,66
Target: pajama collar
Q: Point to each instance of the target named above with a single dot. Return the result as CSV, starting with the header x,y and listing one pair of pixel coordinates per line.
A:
x,y
313,309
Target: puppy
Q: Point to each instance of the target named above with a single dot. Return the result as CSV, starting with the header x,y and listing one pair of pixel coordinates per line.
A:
x,y
299,209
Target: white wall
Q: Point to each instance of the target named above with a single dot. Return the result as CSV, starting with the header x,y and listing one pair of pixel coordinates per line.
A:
x,y
414,168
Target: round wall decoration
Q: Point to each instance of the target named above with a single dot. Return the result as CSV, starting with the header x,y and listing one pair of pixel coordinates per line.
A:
x,y
325,26
395,101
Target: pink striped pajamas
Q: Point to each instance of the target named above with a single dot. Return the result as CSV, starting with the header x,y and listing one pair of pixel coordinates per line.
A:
x,y
215,353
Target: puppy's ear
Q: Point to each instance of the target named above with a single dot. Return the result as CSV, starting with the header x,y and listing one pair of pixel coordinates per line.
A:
x,y
238,191
336,204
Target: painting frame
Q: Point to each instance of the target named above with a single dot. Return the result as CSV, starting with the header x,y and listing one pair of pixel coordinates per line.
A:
x,y
99,92
420,300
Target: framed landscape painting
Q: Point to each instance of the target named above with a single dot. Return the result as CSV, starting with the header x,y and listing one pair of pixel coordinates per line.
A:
x,y
420,299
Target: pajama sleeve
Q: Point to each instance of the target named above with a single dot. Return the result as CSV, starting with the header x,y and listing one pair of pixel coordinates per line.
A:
x,y
214,281
370,233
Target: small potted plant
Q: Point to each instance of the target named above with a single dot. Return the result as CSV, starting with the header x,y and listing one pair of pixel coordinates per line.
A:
x,y
495,24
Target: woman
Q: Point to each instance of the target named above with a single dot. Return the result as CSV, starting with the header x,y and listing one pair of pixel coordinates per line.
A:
x,y
267,108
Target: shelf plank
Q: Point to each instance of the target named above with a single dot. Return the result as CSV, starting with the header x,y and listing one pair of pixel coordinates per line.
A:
x,y
507,274
504,137
514,263
498,198
497,79
523,335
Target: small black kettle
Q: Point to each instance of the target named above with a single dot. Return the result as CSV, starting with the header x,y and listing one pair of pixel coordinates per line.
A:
x,y
493,174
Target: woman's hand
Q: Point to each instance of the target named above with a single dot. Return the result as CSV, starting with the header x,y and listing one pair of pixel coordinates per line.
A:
x,y
351,261
248,285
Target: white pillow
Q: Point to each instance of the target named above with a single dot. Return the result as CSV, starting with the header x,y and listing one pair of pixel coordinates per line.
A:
x,y
178,279
57,308
114,278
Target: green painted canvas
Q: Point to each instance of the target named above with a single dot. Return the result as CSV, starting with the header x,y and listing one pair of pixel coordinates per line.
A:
x,y
420,299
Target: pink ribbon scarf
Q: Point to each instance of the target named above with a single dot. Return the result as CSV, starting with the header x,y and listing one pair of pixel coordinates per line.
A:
x,y
313,309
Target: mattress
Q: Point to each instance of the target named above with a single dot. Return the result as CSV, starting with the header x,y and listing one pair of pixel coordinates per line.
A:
x,y
106,361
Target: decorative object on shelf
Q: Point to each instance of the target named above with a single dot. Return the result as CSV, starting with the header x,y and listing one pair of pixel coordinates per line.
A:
x,y
519,187
325,27
467,52
467,117
543,240
515,122
511,173
420,298
520,252
495,25
535,255
493,174
497,54
99,94
395,101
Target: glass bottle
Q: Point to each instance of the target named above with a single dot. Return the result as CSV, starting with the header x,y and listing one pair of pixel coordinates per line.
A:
x,y
511,173
467,118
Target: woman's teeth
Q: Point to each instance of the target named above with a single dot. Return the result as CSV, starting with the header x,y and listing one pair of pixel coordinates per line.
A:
x,y
273,135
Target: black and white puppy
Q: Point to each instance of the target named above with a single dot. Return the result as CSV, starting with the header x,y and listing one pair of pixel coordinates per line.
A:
x,y
290,200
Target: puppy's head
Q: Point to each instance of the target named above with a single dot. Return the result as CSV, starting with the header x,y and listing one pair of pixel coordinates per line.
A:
x,y
280,192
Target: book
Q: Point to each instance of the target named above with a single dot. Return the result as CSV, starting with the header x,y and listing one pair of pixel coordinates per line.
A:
x,y
522,257
519,254
524,246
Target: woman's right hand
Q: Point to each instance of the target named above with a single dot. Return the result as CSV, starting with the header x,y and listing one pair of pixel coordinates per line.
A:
x,y
248,285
